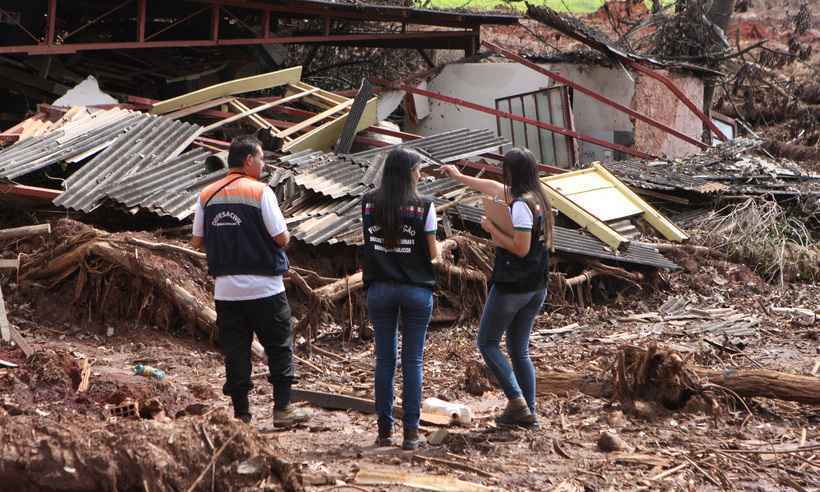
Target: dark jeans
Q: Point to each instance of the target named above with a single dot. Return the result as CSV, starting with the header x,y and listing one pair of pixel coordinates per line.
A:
x,y
386,302
269,318
514,315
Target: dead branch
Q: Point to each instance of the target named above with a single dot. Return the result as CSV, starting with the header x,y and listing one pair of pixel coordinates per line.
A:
x,y
24,232
168,247
659,374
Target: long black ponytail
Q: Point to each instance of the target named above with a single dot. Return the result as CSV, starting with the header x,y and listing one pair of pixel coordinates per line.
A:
x,y
521,181
397,190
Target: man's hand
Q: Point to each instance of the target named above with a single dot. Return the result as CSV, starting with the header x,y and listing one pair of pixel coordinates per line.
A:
x,y
198,242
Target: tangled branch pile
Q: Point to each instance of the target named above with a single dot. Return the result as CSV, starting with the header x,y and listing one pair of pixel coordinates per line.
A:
x,y
762,234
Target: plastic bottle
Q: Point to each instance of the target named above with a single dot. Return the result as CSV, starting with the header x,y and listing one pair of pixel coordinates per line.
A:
x,y
149,372
458,412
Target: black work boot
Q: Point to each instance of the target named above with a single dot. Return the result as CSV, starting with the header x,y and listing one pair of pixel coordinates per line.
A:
x,y
517,413
385,437
412,439
241,408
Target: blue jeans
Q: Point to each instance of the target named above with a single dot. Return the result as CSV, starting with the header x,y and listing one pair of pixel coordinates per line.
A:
x,y
514,315
385,303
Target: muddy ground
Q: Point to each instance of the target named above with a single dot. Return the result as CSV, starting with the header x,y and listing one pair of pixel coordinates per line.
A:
x,y
688,449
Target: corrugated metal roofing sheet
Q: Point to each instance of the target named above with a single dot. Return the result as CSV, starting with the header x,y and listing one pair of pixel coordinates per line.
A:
x,y
146,146
448,146
81,137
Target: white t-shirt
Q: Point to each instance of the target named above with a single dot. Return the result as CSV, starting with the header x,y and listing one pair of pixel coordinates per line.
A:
x,y
246,287
430,224
522,219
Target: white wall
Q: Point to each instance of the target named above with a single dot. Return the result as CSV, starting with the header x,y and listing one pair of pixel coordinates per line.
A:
x,y
482,83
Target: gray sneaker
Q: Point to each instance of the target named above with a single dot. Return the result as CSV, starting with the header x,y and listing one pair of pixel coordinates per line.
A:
x,y
290,416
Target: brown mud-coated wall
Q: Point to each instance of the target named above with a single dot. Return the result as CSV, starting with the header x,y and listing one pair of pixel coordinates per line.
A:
x,y
653,99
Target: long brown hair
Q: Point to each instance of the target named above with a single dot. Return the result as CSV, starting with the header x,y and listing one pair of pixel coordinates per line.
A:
x,y
397,190
521,181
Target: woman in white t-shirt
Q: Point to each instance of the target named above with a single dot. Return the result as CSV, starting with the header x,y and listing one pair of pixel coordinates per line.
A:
x,y
519,280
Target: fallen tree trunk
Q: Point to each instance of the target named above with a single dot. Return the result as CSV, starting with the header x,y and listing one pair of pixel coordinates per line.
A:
x,y
24,232
747,383
792,151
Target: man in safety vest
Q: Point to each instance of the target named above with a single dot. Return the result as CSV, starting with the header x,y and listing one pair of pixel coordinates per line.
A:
x,y
239,223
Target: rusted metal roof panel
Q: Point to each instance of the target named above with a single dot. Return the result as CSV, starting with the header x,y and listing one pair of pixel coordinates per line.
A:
x,y
80,138
147,145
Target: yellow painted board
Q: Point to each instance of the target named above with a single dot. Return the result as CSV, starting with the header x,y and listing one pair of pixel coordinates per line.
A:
x,y
663,225
390,475
587,221
230,88
329,96
324,136
606,204
578,181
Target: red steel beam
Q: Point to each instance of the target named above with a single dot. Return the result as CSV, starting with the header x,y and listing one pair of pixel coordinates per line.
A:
x,y
515,117
173,25
215,22
29,191
593,94
380,37
97,19
142,7
266,24
52,22
679,94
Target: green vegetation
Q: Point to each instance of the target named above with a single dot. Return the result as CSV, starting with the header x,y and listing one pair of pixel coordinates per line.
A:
x,y
574,6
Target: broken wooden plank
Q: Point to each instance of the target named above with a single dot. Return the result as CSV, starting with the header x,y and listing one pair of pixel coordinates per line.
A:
x,y
199,107
336,401
21,342
325,135
372,475
25,231
8,364
255,110
13,264
557,331
85,376
5,326
317,118
233,87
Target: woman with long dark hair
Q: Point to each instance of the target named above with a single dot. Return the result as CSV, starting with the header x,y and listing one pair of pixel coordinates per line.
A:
x,y
519,280
399,247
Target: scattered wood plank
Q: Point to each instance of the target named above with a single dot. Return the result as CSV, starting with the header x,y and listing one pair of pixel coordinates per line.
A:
x,y
5,326
25,231
372,475
21,342
13,264
8,364
455,464
558,331
336,401
85,376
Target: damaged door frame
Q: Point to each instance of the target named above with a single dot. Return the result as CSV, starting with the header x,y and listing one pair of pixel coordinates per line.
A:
x,y
566,113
